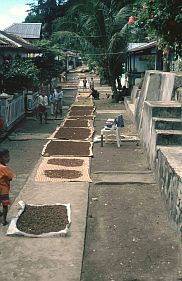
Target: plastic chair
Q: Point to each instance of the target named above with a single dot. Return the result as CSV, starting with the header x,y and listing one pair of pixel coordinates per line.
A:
x,y
113,130
105,132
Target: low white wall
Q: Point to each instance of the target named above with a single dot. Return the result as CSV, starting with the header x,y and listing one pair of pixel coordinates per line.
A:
x,y
157,86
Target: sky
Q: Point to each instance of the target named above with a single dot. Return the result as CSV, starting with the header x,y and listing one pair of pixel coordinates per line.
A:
x,y
13,11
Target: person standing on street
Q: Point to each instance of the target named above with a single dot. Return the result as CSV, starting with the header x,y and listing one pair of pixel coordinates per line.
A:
x,y
6,175
42,105
58,97
84,83
91,83
52,103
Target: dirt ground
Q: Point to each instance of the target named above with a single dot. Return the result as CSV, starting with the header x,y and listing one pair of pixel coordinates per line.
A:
x,y
128,234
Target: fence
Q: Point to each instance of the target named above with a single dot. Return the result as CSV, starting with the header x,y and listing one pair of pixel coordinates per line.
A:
x,y
11,110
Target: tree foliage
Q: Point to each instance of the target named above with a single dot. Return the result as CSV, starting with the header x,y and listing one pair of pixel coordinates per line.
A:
x,y
98,30
18,74
162,19
48,62
46,11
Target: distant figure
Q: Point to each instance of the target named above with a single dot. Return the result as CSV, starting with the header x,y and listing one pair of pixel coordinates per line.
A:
x,y
92,83
84,83
58,97
95,94
122,93
52,103
126,84
6,175
42,105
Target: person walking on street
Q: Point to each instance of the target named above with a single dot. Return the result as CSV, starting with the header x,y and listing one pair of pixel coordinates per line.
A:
x,y
84,83
6,175
91,83
58,97
42,105
52,103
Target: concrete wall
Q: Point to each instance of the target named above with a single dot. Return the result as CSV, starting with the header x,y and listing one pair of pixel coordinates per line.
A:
x,y
170,182
157,113
157,85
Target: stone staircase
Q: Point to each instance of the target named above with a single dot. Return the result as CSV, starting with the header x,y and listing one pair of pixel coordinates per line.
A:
x,y
167,122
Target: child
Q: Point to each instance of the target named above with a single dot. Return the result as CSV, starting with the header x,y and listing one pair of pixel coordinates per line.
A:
x,y
6,175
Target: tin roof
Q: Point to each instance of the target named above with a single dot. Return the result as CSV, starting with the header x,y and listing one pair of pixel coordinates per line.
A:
x,y
141,46
12,41
25,30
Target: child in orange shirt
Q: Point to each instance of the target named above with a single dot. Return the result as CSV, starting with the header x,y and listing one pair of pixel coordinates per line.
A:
x,y
6,175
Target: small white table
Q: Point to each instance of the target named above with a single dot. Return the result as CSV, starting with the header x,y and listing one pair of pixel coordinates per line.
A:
x,y
114,130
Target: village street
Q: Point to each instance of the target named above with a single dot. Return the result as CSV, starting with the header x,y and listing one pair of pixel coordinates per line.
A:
x,y
128,234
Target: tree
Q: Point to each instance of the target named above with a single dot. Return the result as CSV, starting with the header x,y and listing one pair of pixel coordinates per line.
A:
x,y
46,11
48,62
161,20
99,31
18,74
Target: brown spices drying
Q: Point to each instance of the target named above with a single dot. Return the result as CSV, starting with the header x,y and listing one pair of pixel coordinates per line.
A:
x,y
43,219
65,174
66,162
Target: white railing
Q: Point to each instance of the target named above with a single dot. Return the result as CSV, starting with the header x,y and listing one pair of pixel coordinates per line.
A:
x,y
11,110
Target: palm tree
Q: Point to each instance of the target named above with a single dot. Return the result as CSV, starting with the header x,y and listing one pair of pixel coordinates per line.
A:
x,y
98,30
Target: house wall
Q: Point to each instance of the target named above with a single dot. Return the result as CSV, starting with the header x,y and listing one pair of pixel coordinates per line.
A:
x,y
12,54
140,63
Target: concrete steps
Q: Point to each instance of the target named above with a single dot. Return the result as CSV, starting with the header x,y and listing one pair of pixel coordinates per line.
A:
x,y
167,123
169,109
168,137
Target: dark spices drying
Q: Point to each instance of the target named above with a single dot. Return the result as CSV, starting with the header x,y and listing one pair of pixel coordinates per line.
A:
x,y
76,123
43,219
77,107
73,133
80,112
66,162
68,148
66,174
85,117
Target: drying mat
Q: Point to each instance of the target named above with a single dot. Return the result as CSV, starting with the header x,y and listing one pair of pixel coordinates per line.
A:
x,y
88,117
83,112
41,220
85,102
82,107
65,133
73,133
67,148
79,122
66,169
